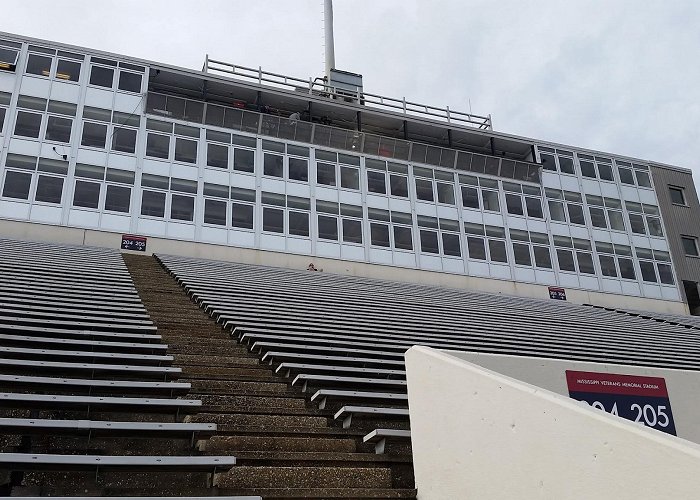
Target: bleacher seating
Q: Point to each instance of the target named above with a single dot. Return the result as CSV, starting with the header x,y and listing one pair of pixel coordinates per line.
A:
x,y
81,365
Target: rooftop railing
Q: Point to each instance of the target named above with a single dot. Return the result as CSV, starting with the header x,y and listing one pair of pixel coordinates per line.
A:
x,y
318,87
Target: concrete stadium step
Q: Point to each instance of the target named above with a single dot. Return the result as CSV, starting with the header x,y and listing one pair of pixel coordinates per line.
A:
x,y
306,477
236,444
250,401
183,360
235,388
194,371
254,420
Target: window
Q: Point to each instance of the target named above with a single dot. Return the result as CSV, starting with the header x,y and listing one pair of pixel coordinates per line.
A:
x,y
87,194
158,146
325,174
587,168
626,176
118,198
39,65
521,253
475,247
585,263
49,189
398,185
677,195
376,182
654,225
556,210
514,204
534,207
217,155
2,119
129,82
273,166
647,269
403,238
379,234
185,150
182,207
299,223
607,265
102,77
429,242
665,273
68,70
28,124
690,245
605,170
17,185
242,216
352,231
566,165
497,251
349,178
244,160
424,189
470,197
626,268
95,135
548,162
327,227
153,203
490,199
298,169
273,220
445,193
58,129
566,260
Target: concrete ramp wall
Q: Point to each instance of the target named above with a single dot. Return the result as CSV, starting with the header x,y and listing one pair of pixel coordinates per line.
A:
x,y
477,434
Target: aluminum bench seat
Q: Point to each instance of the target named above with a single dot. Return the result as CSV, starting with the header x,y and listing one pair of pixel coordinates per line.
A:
x,y
322,396
264,346
165,372
288,368
61,402
380,436
306,380
94,385
272,357
84,334
224,497
8,315
105,357
96,428
69,308
6,339
347,413
70,294
327,340
38,461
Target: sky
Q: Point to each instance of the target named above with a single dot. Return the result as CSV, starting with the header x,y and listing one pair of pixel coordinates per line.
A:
x,y
621,76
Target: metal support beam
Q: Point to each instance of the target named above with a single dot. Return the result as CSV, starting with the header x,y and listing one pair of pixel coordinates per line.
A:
x,y
405,130
449,137
493,147
359,121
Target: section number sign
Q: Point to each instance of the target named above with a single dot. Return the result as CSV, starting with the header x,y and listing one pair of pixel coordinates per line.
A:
x,y
643,400
131,242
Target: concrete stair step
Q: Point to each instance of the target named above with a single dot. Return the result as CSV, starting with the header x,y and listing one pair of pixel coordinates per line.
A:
x,y
249,400
237,444
256,420
230,371
156,483
184,360
305,477
222,410
208,386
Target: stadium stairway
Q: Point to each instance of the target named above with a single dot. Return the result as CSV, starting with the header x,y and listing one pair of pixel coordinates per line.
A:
x,y
285,446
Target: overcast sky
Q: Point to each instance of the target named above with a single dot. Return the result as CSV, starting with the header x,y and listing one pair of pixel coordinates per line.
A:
x,y
621,76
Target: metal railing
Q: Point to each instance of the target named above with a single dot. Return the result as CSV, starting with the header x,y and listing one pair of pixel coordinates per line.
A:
x,y
318,87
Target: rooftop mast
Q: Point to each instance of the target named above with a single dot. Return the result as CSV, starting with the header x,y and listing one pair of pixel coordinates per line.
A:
x,y
328,33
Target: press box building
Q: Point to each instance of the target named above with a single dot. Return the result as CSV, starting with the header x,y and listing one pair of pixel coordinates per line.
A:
x,y
247,165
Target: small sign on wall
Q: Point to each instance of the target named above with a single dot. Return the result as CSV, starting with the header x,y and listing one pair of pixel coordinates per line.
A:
x,y
643,400
557,293
132,242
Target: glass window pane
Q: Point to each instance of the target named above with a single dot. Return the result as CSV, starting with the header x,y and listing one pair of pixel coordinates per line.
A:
x,y
327,227
556,211
2,119
566,165
429,242
450,244
665,274
690,246
273,166
68,70
476,249
605,172
607,265
298,169
637,224
130,82
548,162
587,169
379,234
215,212
94,135
118,199
352,231
543,258
490,200
28,124
217,156
182,207
273,219
39,65
626,176
446,193
349,178
58,129
403,238
185,150
497,251
597,217
87,194
654,225
514,204
643,179
158,145
244,160
470,197
626,268
576,214
49,189
398,185
376,183
153,203
585,263
101,77
521,252
648,273
242,215
677,195
534,207
566,260
424,189
325,174
17,185
299,223
124,140
617,222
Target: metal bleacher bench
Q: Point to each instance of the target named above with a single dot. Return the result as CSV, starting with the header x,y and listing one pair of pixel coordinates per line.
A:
x,y
88,385
287,369
323,395
32,353
348,412
380,436
165,372
306,380
246,497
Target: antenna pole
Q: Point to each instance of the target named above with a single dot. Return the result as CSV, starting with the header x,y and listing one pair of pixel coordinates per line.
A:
x,y
328,33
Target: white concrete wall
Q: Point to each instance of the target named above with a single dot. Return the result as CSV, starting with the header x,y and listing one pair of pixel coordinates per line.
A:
x,y
683,385
44,232
480,435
